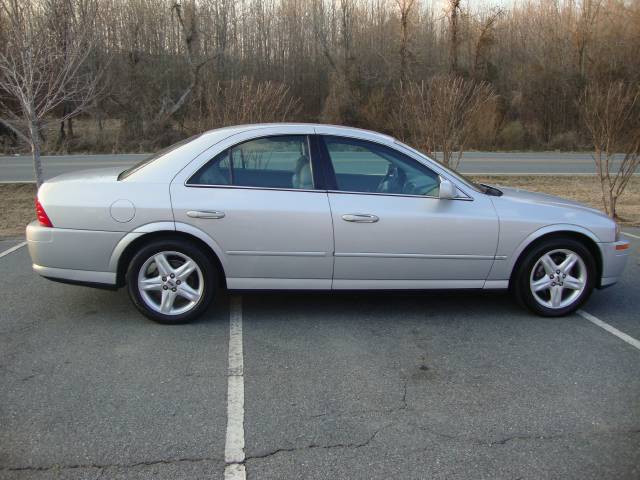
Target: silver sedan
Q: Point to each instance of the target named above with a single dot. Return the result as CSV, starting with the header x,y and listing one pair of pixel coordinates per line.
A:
x,y
312,207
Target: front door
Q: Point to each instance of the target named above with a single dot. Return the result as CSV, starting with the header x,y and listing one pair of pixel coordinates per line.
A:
x,y
392,231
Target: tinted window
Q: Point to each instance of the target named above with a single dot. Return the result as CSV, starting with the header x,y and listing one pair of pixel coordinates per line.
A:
x,y
270,162
467,181
362,166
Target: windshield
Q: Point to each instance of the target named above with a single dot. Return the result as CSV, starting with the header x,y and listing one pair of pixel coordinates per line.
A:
x,y
478,187
143,163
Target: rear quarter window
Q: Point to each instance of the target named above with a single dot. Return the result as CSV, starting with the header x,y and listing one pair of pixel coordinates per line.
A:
x,y
143,163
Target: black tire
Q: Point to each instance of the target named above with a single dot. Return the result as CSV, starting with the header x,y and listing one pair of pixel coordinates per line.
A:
x,y
520,285
203,261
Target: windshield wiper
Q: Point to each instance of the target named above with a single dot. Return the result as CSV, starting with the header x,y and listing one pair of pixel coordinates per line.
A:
x,y
493,191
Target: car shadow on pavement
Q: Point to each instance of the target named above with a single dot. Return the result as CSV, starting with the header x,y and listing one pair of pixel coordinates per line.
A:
x,y
431,305
89,304
117,308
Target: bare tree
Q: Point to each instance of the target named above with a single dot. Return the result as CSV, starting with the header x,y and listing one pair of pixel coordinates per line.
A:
x,y
248,101
454,35
442,113
486,38
39,74
589,10
340,104
404,9
188,21
611,114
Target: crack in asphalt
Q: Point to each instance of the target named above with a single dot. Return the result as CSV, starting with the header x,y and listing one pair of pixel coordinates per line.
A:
x,y
316,446
402,407
505,440
108,465
404,395
477,441
474,441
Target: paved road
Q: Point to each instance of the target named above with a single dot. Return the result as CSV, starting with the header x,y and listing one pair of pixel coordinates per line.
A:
x,y
344,386
20,169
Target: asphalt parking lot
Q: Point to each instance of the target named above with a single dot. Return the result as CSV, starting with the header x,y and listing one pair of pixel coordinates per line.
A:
x,y
343,386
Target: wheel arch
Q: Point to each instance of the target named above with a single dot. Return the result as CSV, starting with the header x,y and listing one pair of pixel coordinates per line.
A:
x,y
582,235
126,248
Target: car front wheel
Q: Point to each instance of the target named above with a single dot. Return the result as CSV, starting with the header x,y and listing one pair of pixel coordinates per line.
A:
x,y
171,281
555,277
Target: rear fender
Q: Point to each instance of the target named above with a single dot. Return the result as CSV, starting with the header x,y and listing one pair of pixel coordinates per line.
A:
x,y
164,227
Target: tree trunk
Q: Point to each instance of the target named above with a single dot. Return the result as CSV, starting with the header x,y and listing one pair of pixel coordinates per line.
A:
x,y
62,134
404,40
34,133
612,205
446,156
453,66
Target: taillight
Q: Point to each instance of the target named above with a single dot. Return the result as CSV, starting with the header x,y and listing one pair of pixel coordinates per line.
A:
x,y
42,215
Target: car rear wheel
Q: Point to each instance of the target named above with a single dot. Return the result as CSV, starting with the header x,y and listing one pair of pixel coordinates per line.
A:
x,y
555,277
171,281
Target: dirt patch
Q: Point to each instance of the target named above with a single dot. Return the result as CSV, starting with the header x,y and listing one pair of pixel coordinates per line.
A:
x,y
19,198
18,208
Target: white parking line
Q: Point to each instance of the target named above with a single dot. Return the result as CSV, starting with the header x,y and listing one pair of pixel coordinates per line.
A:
x,y
234,446
632,235
614,331
12,249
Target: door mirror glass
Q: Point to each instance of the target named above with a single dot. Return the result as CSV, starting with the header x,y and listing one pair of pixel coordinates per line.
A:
x,y
447,189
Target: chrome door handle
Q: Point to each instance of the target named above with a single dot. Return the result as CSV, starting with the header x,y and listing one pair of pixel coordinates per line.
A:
x,y
360,218
205,214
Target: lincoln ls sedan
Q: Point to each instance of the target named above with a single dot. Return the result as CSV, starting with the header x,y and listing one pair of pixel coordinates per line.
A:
x,y
312,207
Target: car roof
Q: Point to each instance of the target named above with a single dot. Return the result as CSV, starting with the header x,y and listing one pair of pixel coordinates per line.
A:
x,y
319,127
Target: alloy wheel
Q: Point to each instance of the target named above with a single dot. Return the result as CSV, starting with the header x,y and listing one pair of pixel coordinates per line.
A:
x,y
558,278
170,283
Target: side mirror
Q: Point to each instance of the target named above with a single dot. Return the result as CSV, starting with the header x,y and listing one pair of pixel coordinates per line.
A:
x,y
447,189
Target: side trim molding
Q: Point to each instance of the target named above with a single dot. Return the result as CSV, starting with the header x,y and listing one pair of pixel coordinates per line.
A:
x,y
260,253
406,284
278,284
417,255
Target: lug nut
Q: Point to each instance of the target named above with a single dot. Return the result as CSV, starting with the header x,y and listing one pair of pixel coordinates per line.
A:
x,y
164,287
551,276
564,275
558,272
178,282
172,275
173,289
553,284
164,279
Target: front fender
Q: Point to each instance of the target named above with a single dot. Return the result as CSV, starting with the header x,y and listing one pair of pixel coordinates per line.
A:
x,y
504,265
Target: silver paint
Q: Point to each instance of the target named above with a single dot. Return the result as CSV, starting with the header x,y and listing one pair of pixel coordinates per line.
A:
x,y
305,239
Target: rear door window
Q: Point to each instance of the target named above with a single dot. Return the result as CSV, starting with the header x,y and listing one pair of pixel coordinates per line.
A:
x,y
271,162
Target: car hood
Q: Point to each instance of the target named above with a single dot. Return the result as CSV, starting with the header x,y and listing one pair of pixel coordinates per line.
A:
x,y
93,175
543,198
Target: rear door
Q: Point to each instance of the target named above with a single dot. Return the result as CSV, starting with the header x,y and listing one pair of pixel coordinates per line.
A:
x,y
257,199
